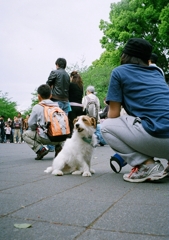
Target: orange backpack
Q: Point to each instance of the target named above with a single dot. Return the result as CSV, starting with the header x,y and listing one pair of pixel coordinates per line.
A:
x,y
56,123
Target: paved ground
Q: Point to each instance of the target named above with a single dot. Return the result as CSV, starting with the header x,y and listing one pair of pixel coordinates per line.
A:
x,y
100,207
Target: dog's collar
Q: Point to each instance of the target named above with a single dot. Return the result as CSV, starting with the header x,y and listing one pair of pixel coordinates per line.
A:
x,y
87,139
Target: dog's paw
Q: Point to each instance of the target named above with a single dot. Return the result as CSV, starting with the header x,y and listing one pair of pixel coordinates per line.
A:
x,y
57,172
92,171
77,172
86,174
48,170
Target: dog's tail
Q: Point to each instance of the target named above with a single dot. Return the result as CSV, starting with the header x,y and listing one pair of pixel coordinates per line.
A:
x,y
48,170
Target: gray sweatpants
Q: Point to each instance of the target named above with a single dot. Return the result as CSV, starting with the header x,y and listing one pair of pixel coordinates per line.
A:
x,y
132,142
35,141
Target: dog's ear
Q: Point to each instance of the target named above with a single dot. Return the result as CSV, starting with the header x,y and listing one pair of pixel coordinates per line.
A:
x,y
75,120
93,120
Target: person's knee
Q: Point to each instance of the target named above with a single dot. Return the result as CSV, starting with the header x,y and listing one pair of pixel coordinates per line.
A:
x,y
26,135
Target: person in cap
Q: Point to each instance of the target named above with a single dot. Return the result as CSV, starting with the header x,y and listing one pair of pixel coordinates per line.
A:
x,y
153,62
142,135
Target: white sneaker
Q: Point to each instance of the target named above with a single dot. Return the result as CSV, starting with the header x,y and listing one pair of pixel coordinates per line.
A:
x,y
145,172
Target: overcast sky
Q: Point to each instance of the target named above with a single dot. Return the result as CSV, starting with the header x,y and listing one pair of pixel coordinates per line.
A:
x,y
34,33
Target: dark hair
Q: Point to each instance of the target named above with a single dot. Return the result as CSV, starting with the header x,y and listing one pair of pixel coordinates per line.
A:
x,y
61,62
76,78
44,91
126,59
154,58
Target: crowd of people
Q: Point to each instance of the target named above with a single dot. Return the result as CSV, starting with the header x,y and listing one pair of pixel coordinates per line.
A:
x,y
11,130
134,122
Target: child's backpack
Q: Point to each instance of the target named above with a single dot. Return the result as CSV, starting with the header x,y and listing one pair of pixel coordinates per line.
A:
x,y
56,123
91,108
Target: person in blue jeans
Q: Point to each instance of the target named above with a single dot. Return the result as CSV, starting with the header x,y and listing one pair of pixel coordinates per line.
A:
x,y
102,115
59,81
142,135
100,140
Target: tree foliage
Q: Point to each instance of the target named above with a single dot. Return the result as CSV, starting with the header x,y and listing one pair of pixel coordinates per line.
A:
x,y
146,19
98,77
137,18
7,107
34,102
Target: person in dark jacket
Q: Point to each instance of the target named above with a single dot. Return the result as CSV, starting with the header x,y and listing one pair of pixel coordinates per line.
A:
x,y
59,82
104,113
75,97
2,130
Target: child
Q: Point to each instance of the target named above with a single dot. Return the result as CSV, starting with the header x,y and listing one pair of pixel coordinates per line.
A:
x,y
35,137
8,133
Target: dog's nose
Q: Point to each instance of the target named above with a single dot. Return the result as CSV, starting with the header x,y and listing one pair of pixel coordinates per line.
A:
x,y
77,125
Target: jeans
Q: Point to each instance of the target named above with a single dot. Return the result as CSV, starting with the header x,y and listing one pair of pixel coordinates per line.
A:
x,y
65,106
99,135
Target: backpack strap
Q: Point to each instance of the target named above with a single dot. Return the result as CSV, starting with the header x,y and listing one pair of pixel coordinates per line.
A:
x,y
46,107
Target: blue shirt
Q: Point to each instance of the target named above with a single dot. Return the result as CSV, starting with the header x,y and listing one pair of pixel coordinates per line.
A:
x,y
143,93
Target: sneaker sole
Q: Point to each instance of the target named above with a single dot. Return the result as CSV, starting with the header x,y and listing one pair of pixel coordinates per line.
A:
x,y
150,178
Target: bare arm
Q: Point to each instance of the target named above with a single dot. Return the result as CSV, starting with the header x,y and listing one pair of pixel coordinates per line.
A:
x,y
114,109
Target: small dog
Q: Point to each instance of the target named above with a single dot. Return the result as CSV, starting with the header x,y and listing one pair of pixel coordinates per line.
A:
x,y
75,157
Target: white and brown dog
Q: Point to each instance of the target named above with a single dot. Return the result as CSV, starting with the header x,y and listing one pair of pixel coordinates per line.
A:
x,y
75,157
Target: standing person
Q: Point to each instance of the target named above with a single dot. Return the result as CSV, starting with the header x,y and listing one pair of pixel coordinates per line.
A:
x,y
20,118
17,130
103,116
25,123
2,130
153,62
143,134
8,133
35,137
91,103
12,129
59,82
75,97
104,113
10,125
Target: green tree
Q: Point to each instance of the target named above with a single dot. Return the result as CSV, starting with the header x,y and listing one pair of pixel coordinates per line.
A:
x,y
82,67
34,102
7,107
146,19
98,76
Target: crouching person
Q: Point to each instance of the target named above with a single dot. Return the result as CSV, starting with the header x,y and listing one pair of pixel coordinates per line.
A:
x,y
35,136
142,135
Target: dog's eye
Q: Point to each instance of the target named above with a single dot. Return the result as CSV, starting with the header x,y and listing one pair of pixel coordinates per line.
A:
x,y
84,119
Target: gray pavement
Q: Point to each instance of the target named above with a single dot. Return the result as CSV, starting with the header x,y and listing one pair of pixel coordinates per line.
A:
x,y
100,207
